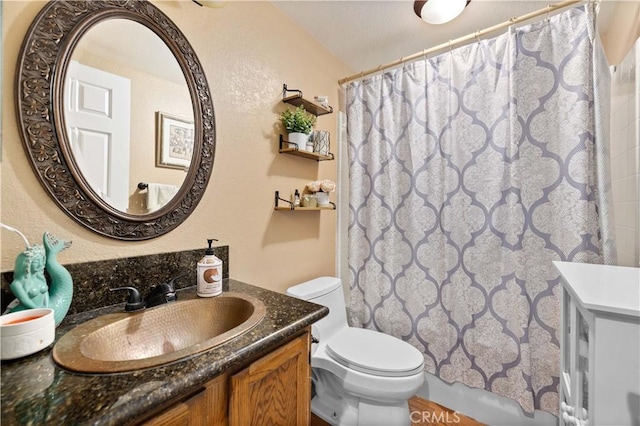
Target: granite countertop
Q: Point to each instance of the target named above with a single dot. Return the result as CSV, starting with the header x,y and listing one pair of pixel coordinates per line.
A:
x,y
34,390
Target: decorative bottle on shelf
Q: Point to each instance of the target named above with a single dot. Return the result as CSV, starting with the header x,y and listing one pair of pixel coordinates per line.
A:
x,y
209,274
296,199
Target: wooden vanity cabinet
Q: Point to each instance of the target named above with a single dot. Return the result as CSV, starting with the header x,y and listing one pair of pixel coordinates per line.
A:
x,y
275,389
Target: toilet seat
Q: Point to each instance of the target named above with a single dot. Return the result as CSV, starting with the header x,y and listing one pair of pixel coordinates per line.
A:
x,y
374,353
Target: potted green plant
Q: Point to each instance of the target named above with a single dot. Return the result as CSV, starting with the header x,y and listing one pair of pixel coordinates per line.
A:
x,y
299,124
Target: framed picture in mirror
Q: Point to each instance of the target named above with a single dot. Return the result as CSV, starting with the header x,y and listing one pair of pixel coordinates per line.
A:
x,y
174,141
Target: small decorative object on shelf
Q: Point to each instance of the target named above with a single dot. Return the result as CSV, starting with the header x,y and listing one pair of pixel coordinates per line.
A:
x,y
321,189
321,143
322,100
309,200
299,124
306,204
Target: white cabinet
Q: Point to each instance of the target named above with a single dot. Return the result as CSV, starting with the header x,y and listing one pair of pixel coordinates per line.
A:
x,y
599,345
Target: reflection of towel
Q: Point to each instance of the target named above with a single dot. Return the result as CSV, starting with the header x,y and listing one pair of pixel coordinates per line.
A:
x,y
159,194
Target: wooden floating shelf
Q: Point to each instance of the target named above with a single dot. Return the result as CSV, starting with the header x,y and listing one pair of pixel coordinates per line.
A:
x,y
289,205
306,154
284,148
311,107
297,100
308,209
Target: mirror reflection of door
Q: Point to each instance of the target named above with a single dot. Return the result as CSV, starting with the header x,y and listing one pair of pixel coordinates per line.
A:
x,y
97,114
128,49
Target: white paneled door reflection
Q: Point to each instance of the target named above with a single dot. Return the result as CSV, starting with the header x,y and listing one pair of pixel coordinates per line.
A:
x,y
97,116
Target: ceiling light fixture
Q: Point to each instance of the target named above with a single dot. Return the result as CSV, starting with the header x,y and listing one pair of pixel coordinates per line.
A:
x,y
216,4
439,11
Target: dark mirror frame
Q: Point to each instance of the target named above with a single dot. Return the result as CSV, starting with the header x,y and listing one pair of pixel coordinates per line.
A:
x,y
42,65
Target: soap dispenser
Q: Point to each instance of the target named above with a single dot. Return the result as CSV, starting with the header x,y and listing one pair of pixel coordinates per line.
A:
x,y
209,274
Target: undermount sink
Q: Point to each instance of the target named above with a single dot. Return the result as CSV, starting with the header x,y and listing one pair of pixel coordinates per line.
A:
x,y
132,341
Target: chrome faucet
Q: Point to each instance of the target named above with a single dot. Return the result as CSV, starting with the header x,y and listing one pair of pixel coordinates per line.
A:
x,y
158,295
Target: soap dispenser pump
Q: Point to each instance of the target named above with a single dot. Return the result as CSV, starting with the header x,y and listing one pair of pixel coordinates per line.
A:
x,y
209,273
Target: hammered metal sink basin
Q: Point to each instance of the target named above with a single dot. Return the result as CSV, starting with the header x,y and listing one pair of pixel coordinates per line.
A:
x,y
132,341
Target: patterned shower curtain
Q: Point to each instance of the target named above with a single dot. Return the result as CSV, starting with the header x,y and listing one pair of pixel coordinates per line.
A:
x,y
469,173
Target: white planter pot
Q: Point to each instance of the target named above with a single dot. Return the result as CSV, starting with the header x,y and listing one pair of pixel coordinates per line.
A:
x,y
323,199
300,139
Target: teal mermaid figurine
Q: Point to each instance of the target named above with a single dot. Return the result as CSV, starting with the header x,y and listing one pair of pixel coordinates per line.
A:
x,y
29,283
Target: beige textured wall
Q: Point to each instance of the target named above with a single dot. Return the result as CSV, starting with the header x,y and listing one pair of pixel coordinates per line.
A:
x,y
248,50
623,32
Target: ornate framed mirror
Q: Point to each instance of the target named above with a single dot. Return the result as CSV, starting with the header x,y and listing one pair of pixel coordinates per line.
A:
x,y
92,104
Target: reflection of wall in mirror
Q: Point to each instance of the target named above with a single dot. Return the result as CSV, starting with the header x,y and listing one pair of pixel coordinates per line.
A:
x,y
149,93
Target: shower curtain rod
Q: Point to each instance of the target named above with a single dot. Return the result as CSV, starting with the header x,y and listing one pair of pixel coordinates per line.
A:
x,y
550,8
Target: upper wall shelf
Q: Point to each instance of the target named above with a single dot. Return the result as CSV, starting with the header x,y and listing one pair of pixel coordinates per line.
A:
x,y
297,100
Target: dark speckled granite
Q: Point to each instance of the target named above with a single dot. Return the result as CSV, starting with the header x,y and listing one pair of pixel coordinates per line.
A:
x,y
35,391
92,280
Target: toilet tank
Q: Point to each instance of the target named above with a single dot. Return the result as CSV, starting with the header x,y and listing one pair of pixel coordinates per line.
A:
x,y
326,291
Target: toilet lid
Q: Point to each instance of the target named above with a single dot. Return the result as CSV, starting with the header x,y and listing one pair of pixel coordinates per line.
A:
x,y
374,353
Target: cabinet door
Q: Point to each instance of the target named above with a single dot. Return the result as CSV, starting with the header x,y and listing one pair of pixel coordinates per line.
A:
x,y
275,390
206,407
177,415
576,363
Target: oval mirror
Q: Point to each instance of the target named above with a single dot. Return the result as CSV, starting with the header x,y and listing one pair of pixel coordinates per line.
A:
x,y
116,116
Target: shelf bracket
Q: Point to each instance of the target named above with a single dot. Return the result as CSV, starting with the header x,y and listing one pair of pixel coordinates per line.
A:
x,y
277,198
285,90
293,145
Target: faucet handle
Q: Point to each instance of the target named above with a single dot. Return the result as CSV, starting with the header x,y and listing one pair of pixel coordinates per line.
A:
x,y
162,293
134,302
170,288
171,282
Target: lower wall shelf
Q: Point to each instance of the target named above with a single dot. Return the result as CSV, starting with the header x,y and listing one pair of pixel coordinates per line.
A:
x,y
308,209
290,206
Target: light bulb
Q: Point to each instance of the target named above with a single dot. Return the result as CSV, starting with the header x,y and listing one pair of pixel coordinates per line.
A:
x,y
212,3
439,11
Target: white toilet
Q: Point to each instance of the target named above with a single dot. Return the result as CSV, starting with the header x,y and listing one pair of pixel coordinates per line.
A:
x,y
361,377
